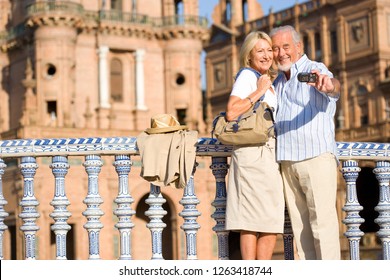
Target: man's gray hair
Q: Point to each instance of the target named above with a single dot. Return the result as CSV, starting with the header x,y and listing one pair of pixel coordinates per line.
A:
x,y
286,28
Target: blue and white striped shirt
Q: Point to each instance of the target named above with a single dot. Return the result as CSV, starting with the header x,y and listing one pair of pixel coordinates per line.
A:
x,y
305,116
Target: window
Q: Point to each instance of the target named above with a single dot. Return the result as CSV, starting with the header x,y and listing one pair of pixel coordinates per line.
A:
x,y
179,12
50,71
181,116
52,110
228,11
306,46
245,10
179,7
362,93
317,41
116,80
333,42
116,5
180,79
134,6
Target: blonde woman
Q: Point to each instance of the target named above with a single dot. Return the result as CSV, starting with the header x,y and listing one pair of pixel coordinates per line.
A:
x,y
255,201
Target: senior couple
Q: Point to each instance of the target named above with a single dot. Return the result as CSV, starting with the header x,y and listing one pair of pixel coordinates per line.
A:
x,y
298,168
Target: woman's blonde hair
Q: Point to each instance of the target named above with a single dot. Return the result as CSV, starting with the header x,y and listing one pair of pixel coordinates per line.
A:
x,y
249,43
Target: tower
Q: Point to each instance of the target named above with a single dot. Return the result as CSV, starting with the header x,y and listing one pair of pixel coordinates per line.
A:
x,y
80,68
126,61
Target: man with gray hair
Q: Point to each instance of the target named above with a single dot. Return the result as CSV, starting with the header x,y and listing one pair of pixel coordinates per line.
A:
x,y
306,146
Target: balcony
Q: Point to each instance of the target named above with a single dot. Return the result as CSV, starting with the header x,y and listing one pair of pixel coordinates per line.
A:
x,y
73,14
19,157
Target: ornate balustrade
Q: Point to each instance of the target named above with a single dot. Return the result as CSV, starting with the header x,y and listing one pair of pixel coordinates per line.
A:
x,y
65,11
122,149
66,7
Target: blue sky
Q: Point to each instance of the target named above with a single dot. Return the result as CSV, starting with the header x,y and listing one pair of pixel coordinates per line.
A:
x,y
206,6
206,9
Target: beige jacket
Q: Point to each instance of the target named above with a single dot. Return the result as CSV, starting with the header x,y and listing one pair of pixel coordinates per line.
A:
x,y
168,158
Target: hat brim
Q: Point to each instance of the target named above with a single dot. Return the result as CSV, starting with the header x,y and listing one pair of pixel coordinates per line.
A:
x,y
165,129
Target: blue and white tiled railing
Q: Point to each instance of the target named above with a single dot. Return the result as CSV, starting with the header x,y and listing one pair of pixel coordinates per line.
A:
x,y
122,148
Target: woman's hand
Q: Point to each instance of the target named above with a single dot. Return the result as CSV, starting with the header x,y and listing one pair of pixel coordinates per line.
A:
x,y
264,83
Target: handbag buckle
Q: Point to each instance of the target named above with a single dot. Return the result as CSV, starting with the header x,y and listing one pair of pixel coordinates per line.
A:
x,y
235,127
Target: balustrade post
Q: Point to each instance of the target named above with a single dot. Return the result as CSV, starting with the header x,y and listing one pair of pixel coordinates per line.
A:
x,y
29,203
3,214
382,173
93,213
219,168
288,237
352,208
60,214
156,225
124,200
190,214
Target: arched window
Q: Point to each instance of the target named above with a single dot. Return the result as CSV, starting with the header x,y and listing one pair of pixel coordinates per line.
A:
x,y
228,11
116,80
245,10
179,7
179,12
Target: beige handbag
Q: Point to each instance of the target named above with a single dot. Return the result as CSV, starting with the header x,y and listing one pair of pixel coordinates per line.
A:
x,y
251,128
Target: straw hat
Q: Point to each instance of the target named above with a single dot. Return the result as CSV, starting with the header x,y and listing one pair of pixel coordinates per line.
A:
x,y
162,123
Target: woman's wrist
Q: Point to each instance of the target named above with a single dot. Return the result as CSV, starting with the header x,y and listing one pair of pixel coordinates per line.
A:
x,y
250,100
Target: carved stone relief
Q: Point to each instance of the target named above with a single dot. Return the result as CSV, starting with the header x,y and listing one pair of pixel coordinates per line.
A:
x,y
220,75
359,34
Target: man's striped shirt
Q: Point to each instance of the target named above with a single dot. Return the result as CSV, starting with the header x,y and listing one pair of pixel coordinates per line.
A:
x,y
305,116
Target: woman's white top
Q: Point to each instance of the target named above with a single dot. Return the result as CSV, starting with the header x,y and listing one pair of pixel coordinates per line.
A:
x,y
246,83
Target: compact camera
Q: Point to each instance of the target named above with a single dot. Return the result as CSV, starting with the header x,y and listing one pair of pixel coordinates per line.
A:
x,y
306,77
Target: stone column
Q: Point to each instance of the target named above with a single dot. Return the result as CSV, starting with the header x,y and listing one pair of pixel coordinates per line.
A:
x,y
104,91
140,80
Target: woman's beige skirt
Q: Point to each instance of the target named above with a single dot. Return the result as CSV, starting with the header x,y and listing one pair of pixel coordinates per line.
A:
x,y
255,200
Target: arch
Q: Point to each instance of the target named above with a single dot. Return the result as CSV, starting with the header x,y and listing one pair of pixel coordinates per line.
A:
x,y
367,188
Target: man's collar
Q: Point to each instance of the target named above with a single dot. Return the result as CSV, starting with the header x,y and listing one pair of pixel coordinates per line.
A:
x,y
301,61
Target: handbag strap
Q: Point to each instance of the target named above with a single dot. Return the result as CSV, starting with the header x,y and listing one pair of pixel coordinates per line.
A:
x,y
257,73
221,114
